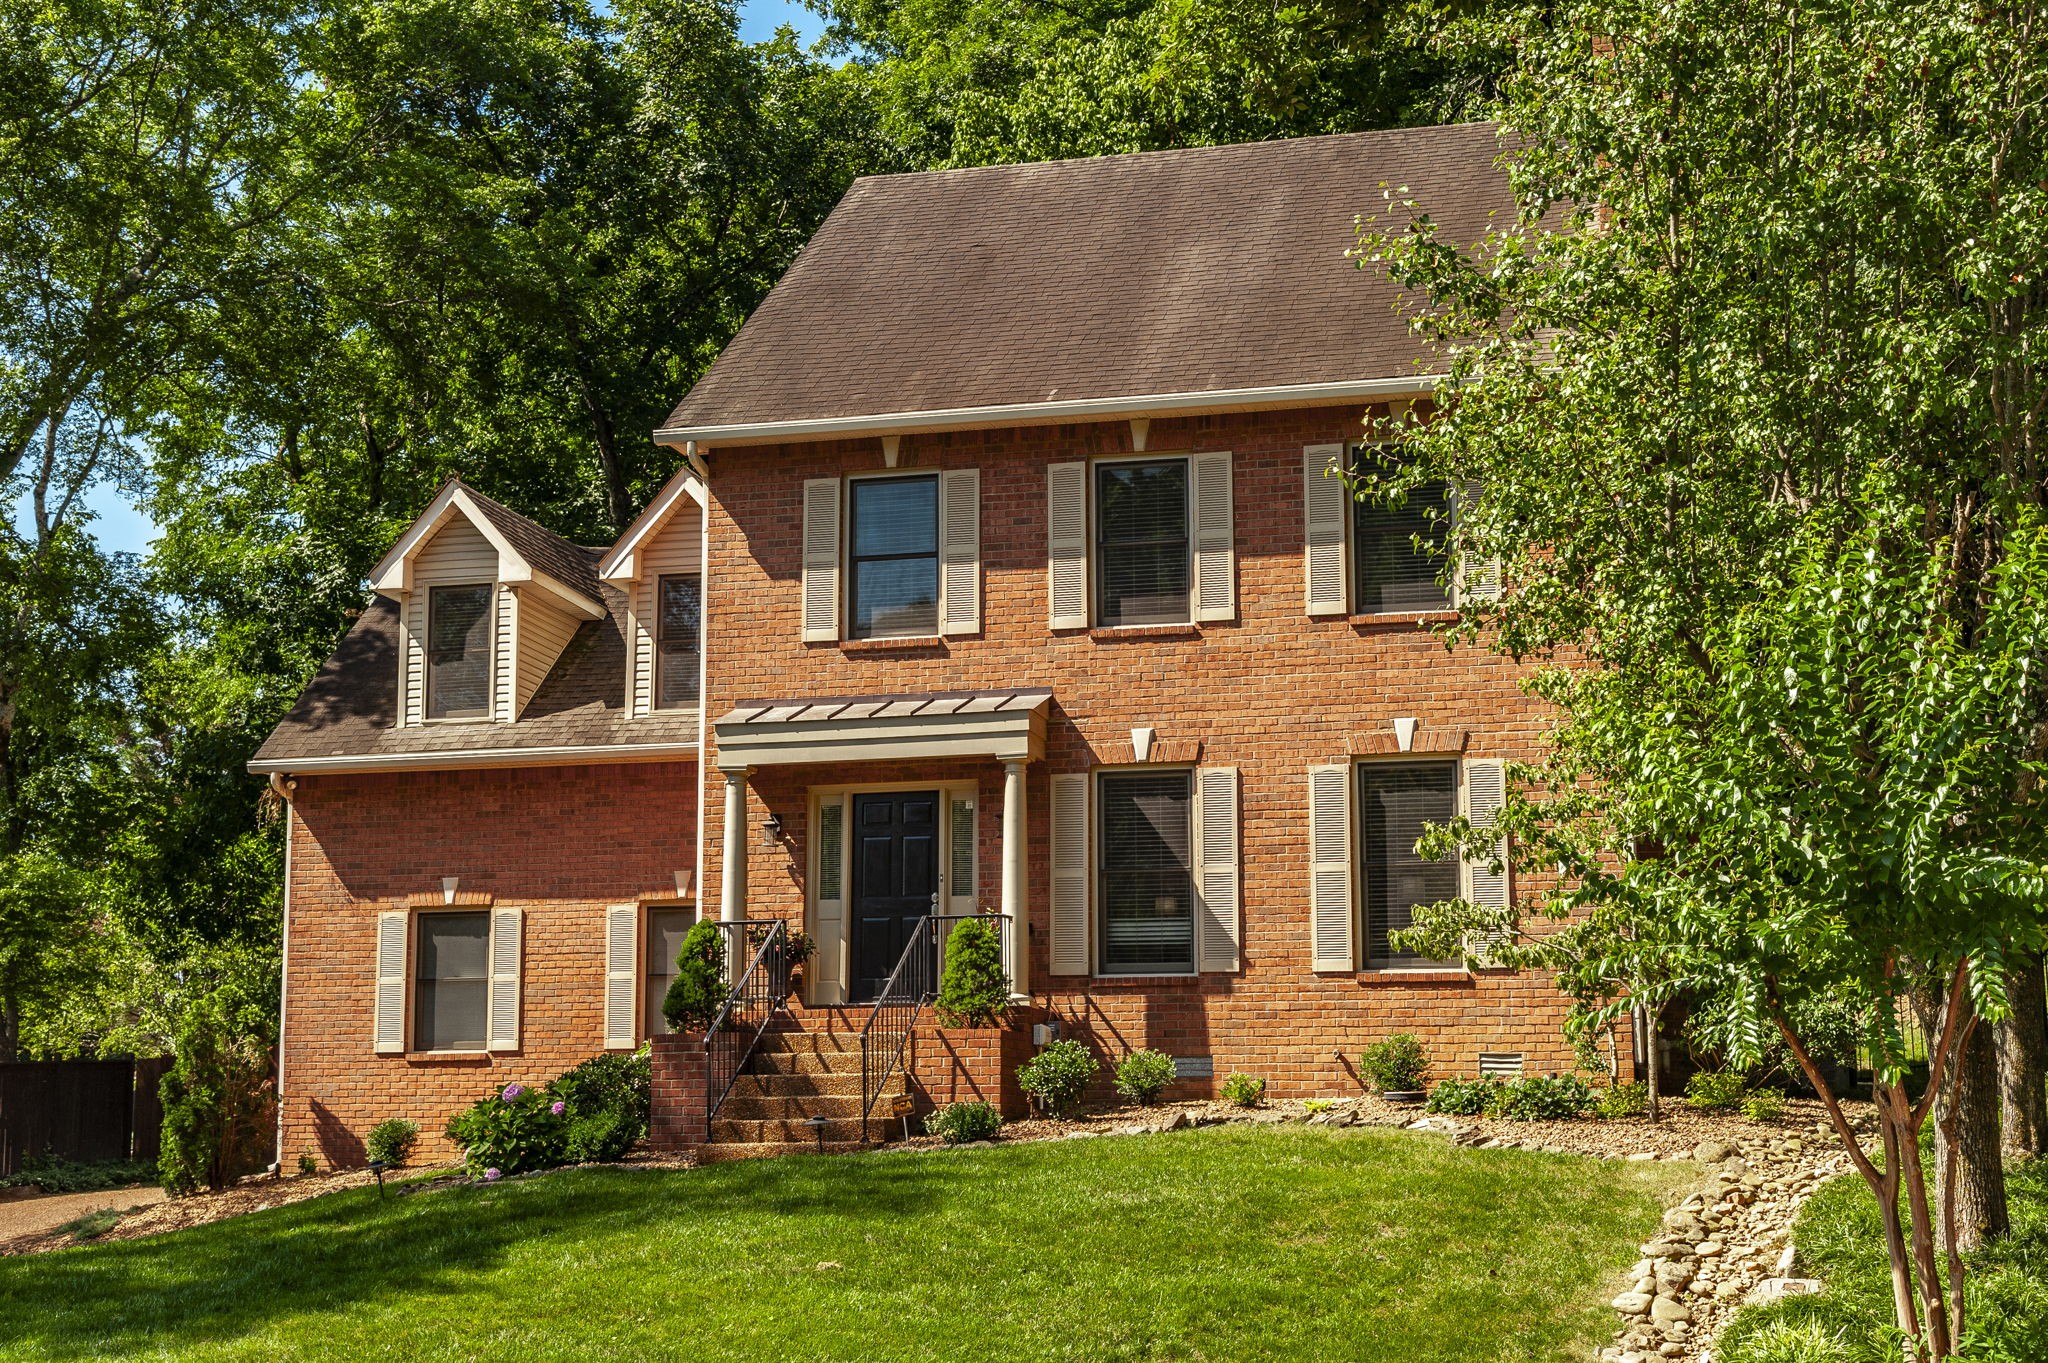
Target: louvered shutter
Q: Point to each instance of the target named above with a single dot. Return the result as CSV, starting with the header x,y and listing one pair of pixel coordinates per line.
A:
x,y
387,1028
1216,867
621,976
1330,898
1485,792
1070,874
1066,550
507,926
1478,581
1326,504
821,560
960,551
1215,540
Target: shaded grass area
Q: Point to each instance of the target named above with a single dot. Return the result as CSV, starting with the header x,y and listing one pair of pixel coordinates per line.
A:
x,y
1842,1242
1224,1243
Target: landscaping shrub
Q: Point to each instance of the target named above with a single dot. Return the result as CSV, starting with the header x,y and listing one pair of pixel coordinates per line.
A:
x,y
1057,1076
1143,1076
1395,1065
1715,1092
698,990
220,1114
1463,1097
390,1143
307,1164
1765,1105
1543,1098
55,1174
1244,1090
1315,1107
607,1100
1630,1099
959,1123
973,990
514,1130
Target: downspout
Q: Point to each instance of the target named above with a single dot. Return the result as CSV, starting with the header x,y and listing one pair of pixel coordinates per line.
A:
x,y
696,461
285,788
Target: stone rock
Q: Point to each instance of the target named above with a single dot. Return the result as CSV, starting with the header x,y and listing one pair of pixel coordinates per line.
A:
x,y
1176,1122
1671,1349
1777,1289
1668,1248
1642,1155
1786,1259
1422,1124
1712,1151
1709,1248
1679,1221
1642,1267
1669,1310
1632,1303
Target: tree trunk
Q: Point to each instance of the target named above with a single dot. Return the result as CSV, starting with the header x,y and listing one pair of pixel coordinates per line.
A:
x,y
2023,1062
10,1031
1650,1062
1975,1194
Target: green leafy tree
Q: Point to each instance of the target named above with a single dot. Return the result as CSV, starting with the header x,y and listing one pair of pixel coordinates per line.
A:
x,y
220,1108
1747,402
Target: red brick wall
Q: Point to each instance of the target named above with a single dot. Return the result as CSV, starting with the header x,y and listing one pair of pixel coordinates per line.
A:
x,y
562,843
1269,693
679,1120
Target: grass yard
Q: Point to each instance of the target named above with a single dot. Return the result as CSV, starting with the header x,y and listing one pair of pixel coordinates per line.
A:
x,y
1224,1243
1841,1242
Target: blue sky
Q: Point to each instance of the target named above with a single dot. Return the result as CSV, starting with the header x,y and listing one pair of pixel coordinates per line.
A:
x,y
119,527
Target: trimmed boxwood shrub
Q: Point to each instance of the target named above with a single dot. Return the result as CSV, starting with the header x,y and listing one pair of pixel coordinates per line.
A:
x,y
1395,1065
698,990
1244,1090
1057,1076
607,1100
959,1123
973,990
390,1143
1144,1075
514,1130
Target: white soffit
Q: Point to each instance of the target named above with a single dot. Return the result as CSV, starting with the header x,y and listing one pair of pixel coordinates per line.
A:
x,y
1008,726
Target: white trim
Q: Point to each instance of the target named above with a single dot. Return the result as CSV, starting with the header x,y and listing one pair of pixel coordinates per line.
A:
x,y
620,563
393,574
1047,413
483,757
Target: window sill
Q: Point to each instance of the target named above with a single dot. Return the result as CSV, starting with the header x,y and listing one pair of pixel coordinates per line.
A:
x,y
445,1057
460,719
1110,634
1139,977
895,643
1395,619
1399,977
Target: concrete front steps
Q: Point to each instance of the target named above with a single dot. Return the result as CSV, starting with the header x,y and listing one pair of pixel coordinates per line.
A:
x,y
796,1074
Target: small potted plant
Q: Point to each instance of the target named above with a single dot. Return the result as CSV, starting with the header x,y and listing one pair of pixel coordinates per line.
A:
x,y
1396,1068
797,948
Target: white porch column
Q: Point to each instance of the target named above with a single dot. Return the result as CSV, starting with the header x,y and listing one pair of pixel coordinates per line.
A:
x,y
732,885
1014,846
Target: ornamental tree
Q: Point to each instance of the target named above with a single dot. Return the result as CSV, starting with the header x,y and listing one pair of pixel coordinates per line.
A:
x,y
1745,401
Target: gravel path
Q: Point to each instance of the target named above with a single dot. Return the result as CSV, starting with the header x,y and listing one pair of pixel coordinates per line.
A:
x,y
40,1213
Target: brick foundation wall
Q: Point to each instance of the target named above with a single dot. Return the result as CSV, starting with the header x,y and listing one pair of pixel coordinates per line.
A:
x,y
971,1064
562,843
680,1122
1269,693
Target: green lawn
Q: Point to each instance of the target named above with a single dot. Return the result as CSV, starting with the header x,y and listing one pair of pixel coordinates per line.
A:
x,y
1841,1243
1225,1243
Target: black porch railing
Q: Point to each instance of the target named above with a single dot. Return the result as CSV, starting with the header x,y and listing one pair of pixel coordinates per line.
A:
x,y
910,986
761,989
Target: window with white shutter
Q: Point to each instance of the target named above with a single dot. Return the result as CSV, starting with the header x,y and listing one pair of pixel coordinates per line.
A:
x,y
1216,868
1326,507
1330,863
1392,573
1215,540
960,551
452,985
821,560
507,926
387,1026
621,975
1485,793
1066,495
1070,874
1477,581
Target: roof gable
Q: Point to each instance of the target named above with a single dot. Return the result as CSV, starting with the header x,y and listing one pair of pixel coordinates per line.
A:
x,y
527,552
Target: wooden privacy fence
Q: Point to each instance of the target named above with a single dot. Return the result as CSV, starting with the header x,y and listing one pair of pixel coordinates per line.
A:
x,y
83,1110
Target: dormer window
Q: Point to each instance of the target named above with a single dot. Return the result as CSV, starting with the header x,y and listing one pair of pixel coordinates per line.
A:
x,y
678,626
459,652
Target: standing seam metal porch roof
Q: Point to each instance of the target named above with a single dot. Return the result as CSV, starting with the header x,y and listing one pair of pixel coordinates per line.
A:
x,y
1006,725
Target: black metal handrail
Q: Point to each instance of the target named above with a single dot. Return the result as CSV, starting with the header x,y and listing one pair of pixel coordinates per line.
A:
x,y
761,989
910,986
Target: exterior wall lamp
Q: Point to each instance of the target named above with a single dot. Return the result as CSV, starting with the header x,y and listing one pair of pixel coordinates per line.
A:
x,y
771,830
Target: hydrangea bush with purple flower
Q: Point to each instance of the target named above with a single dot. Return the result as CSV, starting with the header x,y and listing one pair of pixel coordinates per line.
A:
x,y
511,1131
591,1114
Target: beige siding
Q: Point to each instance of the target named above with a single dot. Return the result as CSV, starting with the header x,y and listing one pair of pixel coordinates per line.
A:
x,y
672,549
542,631
456,554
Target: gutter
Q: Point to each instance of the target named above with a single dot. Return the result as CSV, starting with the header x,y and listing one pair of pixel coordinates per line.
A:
x,y
282,783
481,757
1050,413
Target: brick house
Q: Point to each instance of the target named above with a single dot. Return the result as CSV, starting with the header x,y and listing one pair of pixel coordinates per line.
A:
x,y
1023,592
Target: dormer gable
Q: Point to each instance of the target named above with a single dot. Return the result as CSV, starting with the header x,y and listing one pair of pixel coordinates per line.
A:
x,y
658,565
490,598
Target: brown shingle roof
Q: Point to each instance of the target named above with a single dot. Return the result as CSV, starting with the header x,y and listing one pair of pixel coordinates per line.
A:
x,y
1216,268
541,547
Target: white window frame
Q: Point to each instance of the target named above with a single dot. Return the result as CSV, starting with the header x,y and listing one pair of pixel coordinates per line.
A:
x,y
1097,936
1353,451
846,603
426,645
415,925
641,999
654,704
1095,580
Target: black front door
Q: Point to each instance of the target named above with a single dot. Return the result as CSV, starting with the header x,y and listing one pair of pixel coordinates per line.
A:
x,y
895,880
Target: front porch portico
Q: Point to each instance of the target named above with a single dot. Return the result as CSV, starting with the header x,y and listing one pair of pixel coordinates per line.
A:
x,y
843,735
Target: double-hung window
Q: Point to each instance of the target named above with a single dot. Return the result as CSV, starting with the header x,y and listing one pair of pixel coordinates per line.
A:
x,y
1146,889
893,556
452,982
678,624
1142,551
1392,571
1395,801
666,929
459,652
